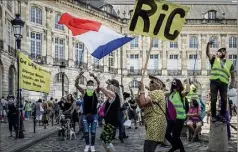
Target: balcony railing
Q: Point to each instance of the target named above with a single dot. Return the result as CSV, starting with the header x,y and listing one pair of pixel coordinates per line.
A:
x,y
211,21
58,62
11,51
174,72
98,68
38,59
79,64
134,72
154,72
195,72
112,70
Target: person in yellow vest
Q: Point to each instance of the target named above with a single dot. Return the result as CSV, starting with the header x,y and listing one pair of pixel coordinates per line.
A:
x,y
192,94
222,70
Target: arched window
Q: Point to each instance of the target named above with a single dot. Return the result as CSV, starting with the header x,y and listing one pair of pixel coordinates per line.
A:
x,y
211,15
233,42
215,43
36,15
193,42
11,80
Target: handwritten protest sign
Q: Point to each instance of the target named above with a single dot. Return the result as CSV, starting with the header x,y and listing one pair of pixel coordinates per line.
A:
x,y
158,19
32,76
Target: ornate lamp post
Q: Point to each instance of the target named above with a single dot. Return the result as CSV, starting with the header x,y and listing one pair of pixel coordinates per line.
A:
x,y
62,71
18,25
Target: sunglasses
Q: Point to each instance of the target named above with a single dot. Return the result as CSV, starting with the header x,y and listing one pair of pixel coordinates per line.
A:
x,y
174,83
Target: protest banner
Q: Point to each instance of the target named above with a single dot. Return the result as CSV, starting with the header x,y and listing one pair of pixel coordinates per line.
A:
x,y
158,19
32,76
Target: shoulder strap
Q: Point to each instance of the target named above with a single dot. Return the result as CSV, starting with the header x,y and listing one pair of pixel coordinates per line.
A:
x,y
160,108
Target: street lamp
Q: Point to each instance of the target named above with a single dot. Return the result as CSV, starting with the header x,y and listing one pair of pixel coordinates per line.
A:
x,y
18,25
62,71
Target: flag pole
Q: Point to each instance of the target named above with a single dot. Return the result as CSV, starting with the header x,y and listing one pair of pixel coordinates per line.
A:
x,y
146,61
237,75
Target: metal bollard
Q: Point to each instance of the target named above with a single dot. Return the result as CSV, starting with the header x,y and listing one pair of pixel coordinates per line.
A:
x,y
52,118
34,119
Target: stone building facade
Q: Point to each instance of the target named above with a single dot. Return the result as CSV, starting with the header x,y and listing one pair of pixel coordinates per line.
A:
x,y
48,44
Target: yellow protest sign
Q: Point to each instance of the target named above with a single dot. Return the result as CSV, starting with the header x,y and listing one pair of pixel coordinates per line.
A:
x,y
158,19
32,76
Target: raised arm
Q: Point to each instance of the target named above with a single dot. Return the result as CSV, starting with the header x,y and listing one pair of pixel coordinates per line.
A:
x,y
209,55
142,100
77,84
111,95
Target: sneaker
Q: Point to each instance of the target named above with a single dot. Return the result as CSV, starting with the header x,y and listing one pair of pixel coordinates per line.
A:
x,y
86,148
110,147
92,149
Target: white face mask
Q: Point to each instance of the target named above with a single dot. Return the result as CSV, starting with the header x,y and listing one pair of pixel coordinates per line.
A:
x,y
90,87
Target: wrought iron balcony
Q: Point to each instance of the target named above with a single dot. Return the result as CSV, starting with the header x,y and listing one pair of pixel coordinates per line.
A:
x,y
58,62
195,72
98,68
211,21
154,72
79,64
113,70
38,59
174,72
134,72
11,51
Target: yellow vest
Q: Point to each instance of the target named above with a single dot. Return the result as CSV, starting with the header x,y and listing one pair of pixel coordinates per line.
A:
x,y
219,72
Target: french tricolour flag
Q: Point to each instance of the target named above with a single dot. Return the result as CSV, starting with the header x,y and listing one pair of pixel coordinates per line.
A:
x,y
98,39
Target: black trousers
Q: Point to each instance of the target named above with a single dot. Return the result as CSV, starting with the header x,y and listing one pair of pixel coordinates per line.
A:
x,y
175,127
150,146
215,87
12,122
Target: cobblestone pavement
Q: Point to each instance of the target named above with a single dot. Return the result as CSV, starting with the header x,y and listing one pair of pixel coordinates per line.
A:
x,y
133,144
11,144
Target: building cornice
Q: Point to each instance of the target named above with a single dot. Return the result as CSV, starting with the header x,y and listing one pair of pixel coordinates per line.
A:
x,y
97,13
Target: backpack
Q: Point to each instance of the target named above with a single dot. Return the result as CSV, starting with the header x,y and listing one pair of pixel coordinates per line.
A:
x,y
170,110
101,110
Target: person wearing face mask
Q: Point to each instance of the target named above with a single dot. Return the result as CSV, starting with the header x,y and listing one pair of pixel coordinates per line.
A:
x,y
89,117
221,70
177,97
112,112
12,114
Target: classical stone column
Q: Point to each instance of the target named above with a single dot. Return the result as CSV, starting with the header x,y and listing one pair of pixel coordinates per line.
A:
x,y
223,41
49,35
24,15
71,50
164,57
204,40
184,54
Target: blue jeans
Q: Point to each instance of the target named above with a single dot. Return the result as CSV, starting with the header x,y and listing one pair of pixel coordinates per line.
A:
x,y
122,132
87,125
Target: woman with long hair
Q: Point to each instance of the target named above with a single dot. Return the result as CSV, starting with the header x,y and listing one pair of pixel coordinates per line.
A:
x,y
73,110
112,112
154,107
176,96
